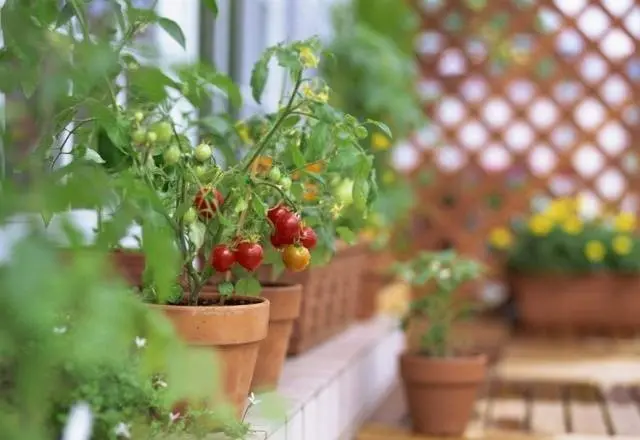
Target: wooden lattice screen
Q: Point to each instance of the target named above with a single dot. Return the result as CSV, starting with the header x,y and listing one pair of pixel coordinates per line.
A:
x,y
526,97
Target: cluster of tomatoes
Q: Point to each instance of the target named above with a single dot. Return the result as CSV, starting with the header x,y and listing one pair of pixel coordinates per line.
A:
x,y
292,237
247,254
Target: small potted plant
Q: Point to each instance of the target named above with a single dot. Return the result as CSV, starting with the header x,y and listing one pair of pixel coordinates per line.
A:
x,y
566,268
228,218
440,380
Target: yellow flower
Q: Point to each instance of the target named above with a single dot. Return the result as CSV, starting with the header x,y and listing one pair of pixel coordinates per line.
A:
x,y
380,142
307,91
595,251
308,58
572,226
388,177
625,222
322,97
559,210
500,238
540,225
243,132
622,244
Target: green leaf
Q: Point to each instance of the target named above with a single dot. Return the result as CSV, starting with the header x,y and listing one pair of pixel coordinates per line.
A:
x,y
318,141
212,5
258,206
296,155
248,286
173,29
114,158
346,234
382,126
150,83
259,76
226,84
225,288
197,233
93,156
66,13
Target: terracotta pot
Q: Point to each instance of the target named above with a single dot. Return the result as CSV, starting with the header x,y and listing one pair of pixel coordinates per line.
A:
x,y
625,301
563,302
130,264
441,392
284,308
234,331
478,335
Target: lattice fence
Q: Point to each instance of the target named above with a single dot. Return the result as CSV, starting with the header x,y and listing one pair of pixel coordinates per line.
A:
x,y
526,97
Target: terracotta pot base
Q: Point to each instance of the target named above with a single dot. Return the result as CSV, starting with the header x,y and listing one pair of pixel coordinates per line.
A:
x,y
441,392
284,303
234,331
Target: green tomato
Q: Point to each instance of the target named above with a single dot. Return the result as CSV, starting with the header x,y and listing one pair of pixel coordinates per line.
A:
x,y
152,137
361,132
138,116
164,131
139,136
203,153
200,171
285,183
344,192
275,175
172,155
190,216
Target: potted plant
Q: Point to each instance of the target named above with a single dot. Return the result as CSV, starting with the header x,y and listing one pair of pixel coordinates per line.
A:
x,y
226,217
585,262
440,380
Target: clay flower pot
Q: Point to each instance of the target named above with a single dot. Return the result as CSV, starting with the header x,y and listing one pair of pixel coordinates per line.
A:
x,y
563,301
285,301
625,301
441,392
130,264
234,331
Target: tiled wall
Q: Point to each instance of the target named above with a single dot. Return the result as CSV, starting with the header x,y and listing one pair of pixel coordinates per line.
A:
x,y
331,390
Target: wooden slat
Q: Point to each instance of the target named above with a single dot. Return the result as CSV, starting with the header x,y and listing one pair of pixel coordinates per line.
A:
x,y
623,412
508,414
547,416
586,413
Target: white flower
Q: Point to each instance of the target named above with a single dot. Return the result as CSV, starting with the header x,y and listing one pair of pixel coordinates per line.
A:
x,y
253,400
435,266
60,330
445,274
79,423
122,430
161,383
173,417
140,342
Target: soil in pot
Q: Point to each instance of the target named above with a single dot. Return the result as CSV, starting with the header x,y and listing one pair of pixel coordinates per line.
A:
x,y
234,330
441,392
285,301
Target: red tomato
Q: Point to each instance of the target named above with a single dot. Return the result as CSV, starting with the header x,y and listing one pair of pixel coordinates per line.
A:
x,y
274,213
296,258
308,237
249,255
222,258
204,202
288,228
275,241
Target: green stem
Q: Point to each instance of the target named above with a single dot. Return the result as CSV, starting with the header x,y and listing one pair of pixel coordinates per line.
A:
x,y
87,36
277,188
265,141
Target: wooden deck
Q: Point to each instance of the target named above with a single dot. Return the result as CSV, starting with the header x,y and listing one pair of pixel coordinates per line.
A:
x,y
587,390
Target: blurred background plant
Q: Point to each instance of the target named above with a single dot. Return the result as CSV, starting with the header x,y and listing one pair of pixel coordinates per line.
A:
x,y
372,73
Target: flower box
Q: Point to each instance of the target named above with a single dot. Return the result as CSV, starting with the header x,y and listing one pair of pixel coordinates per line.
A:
x,y
578,303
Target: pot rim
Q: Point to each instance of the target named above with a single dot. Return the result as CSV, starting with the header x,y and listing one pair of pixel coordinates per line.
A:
x,y
257,301
458,359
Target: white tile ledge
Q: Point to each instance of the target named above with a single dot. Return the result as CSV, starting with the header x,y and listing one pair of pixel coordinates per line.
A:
x,y
330,390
